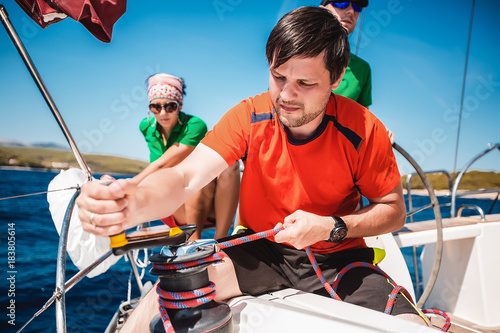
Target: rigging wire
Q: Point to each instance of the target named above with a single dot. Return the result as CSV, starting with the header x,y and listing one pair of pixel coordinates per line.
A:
x,y
463,85
37,193
360,31
39,312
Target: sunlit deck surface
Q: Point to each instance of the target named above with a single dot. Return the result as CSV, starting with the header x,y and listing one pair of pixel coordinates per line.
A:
x,y
459,325
404,238
447,223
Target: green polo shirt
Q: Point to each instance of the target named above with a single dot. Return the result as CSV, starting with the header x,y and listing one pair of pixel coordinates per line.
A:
x,y
190,133
357,82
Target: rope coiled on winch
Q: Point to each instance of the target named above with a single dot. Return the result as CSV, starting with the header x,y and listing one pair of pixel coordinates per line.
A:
x,y
182,300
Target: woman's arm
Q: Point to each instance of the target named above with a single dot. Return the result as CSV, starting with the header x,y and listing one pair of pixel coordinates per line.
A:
x,y
172,156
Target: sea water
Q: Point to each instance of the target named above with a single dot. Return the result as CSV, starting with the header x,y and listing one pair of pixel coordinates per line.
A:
x,y
29,244
89,305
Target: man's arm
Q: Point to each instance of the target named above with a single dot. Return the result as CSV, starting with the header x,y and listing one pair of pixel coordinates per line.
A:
x,y
382,215
128,202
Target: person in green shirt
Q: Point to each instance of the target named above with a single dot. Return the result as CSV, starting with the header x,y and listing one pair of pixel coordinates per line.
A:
x,y
171,136
357,81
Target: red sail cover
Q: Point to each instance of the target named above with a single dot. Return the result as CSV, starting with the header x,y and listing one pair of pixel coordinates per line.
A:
x,y
98,16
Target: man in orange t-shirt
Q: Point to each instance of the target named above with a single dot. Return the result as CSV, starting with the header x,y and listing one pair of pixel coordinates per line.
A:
x,y
308,156
321,174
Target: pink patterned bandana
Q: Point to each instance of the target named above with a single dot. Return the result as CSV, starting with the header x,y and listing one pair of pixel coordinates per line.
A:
x,y
165,86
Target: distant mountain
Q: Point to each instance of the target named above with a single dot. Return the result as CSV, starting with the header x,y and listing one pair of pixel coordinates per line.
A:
x,y
12,143
48,145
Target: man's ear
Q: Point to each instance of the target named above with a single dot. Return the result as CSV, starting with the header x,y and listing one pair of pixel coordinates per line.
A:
x,y
336,84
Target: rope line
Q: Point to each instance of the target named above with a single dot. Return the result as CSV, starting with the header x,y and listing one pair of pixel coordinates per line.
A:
x,y
250,238
196,297
447,323
320,275
216,257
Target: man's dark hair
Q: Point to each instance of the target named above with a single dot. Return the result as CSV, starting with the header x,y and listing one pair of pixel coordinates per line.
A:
x,y
306,32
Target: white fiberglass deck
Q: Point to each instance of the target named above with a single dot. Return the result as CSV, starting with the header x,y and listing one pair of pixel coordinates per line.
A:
x,y
291,310
467,283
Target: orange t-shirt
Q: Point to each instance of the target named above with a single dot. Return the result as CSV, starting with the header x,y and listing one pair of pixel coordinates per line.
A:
x,y
349,154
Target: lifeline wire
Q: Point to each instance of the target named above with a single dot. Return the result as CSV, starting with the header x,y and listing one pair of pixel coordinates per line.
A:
x,y
37,193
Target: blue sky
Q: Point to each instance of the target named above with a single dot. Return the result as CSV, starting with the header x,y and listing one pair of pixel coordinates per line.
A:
x,y
417,54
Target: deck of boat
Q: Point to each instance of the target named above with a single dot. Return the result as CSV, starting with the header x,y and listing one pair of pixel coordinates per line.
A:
x,y
424,232
459,325
420,233
447,223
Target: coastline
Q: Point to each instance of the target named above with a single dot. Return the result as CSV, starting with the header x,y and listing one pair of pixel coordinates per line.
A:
x,y
26,168
421,192
447,193
56,170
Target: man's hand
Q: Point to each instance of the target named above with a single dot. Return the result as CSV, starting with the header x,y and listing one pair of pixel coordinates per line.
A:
x,y
106,210
302,229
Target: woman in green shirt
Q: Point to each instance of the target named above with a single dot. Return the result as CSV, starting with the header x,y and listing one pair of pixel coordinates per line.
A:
x,y
171,136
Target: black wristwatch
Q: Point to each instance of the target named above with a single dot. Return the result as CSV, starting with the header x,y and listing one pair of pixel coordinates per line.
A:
x,y
339,232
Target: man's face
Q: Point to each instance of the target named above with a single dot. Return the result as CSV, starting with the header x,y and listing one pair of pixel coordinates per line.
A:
x,y
300,89
347,16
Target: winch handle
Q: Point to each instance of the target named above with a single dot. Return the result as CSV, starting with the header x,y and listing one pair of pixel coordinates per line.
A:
x,y
157,236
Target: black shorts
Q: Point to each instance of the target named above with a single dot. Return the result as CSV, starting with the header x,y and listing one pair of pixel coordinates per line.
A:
x,y
264,266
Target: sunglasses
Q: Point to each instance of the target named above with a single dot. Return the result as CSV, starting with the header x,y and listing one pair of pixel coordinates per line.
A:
x,y
345,4
168,107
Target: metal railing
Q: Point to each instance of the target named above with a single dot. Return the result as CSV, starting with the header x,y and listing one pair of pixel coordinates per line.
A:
x,y
411,210
453,194
63,286
453,188
439,226
454,191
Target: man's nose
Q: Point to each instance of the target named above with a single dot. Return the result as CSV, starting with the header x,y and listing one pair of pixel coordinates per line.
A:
x,y
349,9
288,92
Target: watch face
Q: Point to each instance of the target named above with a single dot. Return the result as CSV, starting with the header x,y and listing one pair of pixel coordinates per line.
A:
x,y
339,234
